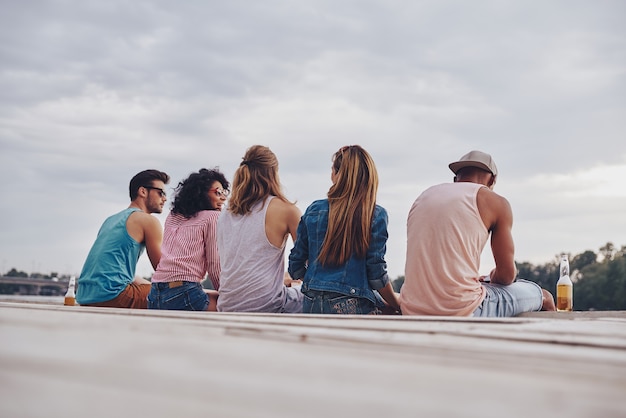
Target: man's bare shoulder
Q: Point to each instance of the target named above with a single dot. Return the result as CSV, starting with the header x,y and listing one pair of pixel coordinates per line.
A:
x,y
492,198
142,218
141,226
494,209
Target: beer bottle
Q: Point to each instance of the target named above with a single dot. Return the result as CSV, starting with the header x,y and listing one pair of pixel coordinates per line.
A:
x,y
70,295
564,287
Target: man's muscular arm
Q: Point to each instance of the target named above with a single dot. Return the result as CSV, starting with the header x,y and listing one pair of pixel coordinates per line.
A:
x,y
497,216
502,245
153,238
146,229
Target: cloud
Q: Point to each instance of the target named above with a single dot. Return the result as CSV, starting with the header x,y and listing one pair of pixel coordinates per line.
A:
x,y
94,92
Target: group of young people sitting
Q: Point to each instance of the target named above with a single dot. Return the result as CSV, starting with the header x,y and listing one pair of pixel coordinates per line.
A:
x,y
339,245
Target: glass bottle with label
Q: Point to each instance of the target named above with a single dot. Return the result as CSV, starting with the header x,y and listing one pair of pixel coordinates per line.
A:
x,y
564,287
70,295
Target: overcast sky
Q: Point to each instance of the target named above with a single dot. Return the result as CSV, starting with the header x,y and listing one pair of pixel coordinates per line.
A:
x,y
92,92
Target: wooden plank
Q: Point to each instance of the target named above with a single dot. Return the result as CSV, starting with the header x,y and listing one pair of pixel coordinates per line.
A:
x,y
78,361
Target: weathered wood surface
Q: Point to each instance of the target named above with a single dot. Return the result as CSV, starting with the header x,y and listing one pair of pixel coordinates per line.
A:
x,y
100,362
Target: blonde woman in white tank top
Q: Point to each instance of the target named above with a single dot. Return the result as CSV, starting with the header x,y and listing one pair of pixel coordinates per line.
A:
x,y
251,238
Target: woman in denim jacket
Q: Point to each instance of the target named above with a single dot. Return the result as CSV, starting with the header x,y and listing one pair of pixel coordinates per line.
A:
x,y
339,252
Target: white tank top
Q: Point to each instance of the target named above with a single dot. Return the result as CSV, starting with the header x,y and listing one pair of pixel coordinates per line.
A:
x,y
252,277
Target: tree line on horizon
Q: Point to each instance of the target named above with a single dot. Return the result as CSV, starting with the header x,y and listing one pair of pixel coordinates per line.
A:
x,y
599,278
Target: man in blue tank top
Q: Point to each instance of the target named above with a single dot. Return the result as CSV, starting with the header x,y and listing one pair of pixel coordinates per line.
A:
x,y
108,275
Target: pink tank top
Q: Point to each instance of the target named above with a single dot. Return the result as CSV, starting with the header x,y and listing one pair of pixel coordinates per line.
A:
x,y
445,238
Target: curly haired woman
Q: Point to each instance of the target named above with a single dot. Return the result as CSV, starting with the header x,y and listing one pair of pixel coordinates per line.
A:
x,y
189,250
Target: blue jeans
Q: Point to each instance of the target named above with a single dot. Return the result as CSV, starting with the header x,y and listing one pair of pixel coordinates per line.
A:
x,y
179,296
514,299
318,302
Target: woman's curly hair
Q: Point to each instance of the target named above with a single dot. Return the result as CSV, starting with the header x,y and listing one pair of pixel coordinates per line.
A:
x,y
191,194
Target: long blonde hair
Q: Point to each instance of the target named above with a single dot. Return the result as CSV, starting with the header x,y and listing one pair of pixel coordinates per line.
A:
x,y
352,200
256,178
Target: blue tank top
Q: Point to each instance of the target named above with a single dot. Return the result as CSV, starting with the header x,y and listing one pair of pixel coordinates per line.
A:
x,y
111,263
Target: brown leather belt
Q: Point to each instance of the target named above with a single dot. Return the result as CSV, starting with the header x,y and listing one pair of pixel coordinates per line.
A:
x,y
174,284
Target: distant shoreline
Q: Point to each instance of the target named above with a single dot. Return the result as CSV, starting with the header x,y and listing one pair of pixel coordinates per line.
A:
x,y
48,300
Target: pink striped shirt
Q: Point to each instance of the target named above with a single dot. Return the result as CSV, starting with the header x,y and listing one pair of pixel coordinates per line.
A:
x,y
189,249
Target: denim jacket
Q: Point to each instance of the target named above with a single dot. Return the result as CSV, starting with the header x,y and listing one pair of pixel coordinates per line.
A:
x,y
358,276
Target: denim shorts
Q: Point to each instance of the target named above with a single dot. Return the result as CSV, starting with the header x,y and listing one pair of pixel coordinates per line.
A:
x,y
293,301
514,299
318,302
183,296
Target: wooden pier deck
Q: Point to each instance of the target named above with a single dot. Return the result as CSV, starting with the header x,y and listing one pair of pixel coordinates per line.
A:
x,y
58,361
